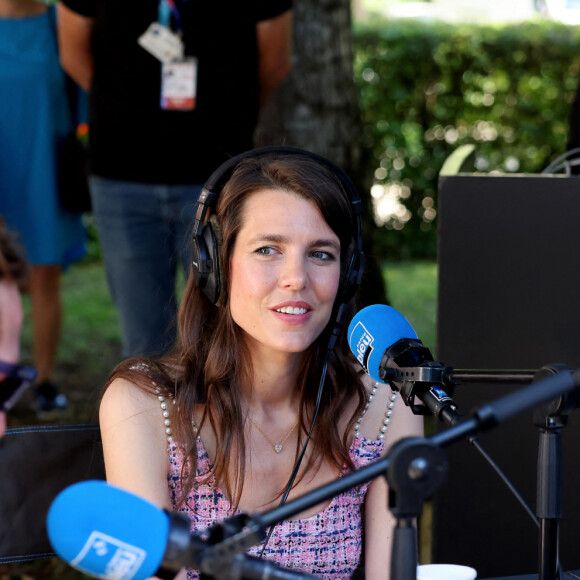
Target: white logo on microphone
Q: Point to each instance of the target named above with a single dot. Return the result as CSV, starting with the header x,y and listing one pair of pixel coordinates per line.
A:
x,y
364,344
103,556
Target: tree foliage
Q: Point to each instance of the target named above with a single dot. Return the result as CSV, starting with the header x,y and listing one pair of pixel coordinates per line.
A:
x,y
427,88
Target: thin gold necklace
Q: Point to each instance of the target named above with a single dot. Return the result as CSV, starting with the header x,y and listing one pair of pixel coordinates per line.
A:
x,y
277,446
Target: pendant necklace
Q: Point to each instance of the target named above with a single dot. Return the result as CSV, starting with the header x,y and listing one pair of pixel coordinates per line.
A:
x,y
277,446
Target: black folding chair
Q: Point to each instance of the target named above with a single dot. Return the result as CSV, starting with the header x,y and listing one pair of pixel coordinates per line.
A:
x,y
36,463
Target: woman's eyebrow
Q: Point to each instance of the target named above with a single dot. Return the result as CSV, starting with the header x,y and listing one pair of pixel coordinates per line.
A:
x,y
262,237
278,238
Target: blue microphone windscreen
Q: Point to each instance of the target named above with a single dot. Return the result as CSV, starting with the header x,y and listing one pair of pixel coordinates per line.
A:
x,y
372,331
107,532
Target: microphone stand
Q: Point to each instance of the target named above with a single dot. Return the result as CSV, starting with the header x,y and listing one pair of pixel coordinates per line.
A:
x,y
550,419
414,467
549,493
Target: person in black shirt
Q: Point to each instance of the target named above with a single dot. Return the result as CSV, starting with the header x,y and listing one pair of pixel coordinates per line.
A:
x,y
175,88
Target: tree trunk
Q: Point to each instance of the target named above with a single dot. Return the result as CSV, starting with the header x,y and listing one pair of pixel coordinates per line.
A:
x,y
316,107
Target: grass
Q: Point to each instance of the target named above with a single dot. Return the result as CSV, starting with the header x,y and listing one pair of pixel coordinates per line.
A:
x,y
412,290
89,318
89,348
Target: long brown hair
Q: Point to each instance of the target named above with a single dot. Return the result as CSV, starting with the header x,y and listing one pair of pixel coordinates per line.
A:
x,y
212,361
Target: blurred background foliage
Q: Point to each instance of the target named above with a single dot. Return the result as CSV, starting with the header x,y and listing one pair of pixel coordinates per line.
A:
x,y
427,87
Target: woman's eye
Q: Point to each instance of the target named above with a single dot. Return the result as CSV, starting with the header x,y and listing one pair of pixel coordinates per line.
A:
x,y
265,251
322,255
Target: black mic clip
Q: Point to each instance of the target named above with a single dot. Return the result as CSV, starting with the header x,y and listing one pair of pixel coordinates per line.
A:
x,y
433,373
410,369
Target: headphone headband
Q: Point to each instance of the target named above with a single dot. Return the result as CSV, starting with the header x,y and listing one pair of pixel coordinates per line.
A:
x,y
206,242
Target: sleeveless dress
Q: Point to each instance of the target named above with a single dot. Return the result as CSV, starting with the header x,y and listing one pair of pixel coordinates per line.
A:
x,y
327,544
34,116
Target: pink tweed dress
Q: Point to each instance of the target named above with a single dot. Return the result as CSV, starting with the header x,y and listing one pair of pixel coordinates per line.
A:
x,y
327,544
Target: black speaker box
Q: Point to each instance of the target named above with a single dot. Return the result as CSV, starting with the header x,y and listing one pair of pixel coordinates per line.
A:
x,y
508,298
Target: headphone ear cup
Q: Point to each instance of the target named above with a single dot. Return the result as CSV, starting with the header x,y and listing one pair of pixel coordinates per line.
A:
x,y
212,238
198,256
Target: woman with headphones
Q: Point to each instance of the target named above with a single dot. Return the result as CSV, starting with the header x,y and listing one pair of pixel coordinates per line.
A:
x,y
262,401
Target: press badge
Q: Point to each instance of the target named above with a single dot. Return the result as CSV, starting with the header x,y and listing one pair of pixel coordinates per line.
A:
x,y
162,43
179,85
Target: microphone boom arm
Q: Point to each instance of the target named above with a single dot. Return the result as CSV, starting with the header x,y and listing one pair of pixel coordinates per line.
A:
x,y
410,369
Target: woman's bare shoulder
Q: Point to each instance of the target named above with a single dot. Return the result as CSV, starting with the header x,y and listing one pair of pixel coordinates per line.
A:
x,y
124,398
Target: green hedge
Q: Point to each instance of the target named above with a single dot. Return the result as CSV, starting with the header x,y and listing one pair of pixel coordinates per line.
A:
x,y
426,88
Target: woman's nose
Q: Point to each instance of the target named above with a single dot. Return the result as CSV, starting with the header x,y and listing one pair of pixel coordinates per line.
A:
x,y
294,273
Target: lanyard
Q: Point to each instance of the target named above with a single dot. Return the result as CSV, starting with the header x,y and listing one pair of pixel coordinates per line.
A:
x,y
166,9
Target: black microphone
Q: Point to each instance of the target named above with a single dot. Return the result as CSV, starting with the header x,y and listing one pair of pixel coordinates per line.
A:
x,y
389,350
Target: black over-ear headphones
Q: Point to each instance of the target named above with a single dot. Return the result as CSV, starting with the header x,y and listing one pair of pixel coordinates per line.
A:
x,y
206,238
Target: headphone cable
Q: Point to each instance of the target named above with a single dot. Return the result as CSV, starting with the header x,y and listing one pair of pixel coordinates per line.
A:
x,y
337,327
294,473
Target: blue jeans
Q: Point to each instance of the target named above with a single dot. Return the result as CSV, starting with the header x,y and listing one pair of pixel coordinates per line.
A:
x,y
144,231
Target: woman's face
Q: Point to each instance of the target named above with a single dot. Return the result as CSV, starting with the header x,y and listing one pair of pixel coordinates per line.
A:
x,y
284,272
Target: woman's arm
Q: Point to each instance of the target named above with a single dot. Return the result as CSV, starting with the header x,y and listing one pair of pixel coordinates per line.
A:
x,y
74,41
134,441
379,521
274,50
